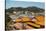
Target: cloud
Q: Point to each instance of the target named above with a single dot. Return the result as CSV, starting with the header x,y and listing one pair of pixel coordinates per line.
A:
x,y
30,0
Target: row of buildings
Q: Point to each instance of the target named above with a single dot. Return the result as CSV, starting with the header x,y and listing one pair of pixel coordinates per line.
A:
x,y
15,14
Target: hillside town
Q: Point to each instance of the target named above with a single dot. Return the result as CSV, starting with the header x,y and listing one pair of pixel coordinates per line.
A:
x,y
25,16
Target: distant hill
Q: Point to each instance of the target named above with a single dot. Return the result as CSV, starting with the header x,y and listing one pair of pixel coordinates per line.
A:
x,y
31,9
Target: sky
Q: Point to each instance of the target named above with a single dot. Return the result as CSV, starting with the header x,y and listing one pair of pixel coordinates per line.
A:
x,y
11,3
